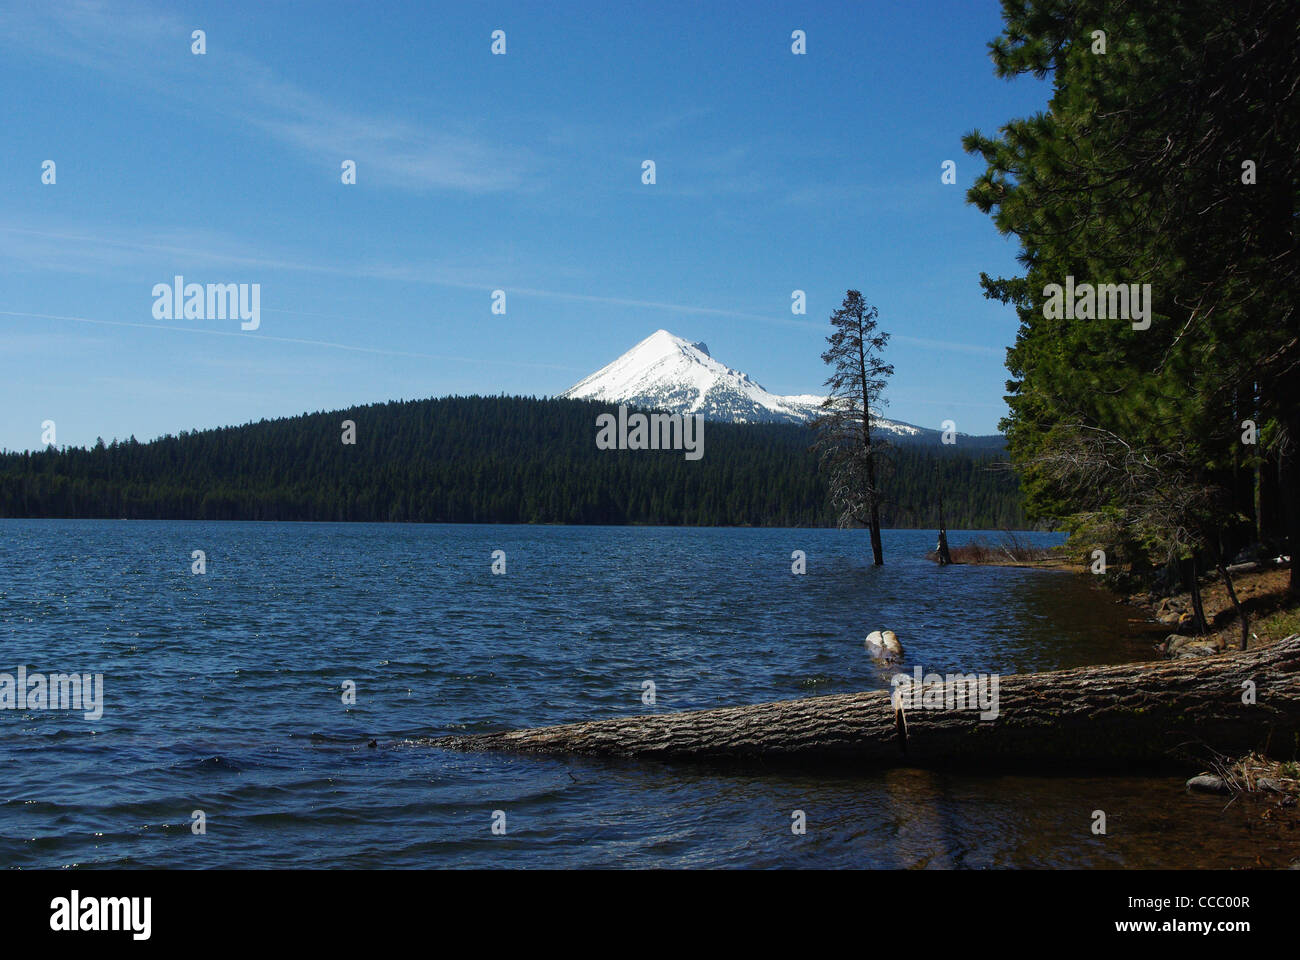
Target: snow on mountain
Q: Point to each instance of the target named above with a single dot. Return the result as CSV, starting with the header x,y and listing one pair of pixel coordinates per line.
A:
x,y
665,372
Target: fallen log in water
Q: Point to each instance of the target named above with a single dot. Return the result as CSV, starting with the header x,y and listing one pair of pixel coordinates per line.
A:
x,y
1137,712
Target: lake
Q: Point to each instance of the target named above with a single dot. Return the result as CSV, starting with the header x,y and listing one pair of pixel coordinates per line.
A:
x,y
225,692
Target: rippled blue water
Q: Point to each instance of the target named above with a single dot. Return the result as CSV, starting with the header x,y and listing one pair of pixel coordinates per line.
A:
x,y
223,693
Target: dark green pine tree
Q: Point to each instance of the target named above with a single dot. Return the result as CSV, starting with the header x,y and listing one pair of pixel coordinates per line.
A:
x,y
850,457
1166,156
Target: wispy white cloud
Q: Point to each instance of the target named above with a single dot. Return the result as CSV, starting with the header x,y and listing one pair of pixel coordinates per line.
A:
x,y
116,39
85,250
259,337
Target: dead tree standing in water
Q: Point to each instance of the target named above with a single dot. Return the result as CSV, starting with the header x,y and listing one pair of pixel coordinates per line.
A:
x,y
941,547
848,453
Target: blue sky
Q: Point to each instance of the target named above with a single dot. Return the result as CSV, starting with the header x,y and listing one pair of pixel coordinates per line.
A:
x,y
476,172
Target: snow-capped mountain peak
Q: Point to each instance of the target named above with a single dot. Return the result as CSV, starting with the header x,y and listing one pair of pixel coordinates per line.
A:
x,y
667,372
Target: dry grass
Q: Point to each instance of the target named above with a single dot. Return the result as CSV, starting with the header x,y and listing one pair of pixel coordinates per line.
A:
x,y
1010,549
1256,774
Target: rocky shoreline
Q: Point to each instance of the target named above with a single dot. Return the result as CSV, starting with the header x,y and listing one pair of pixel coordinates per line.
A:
x,y
1261,589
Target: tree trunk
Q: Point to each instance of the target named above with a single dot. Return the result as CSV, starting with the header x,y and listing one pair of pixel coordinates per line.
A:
x,y
1289,487
1271,512
1244,531
1199,623
1138,712
878,557
1242,619
945,557
876,552
1236,604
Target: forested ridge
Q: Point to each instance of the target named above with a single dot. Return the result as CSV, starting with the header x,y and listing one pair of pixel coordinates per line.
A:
x,y
491,460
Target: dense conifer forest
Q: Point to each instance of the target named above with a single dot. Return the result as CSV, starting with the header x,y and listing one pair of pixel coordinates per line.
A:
x,y
1164,171
493,460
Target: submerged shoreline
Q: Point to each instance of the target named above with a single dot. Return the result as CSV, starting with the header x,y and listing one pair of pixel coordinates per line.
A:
x,y
1268,788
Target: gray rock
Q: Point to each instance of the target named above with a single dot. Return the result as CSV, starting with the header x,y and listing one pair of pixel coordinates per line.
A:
x,y
1208,783
1199,649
